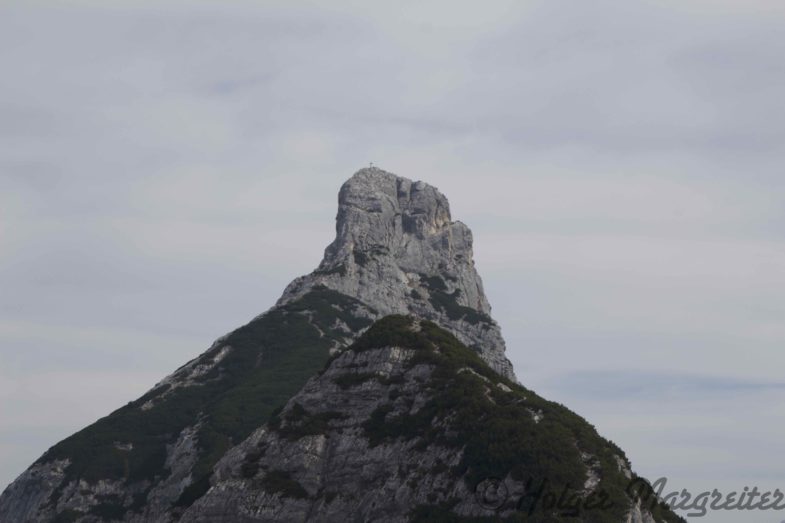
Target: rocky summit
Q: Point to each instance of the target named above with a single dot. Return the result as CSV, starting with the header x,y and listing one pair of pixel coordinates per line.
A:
x,y
398,251
376,389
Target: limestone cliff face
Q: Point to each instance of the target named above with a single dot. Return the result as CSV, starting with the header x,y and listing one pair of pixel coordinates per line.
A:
x,y
398,251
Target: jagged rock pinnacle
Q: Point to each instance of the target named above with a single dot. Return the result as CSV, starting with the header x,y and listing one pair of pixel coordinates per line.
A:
x,y
398,250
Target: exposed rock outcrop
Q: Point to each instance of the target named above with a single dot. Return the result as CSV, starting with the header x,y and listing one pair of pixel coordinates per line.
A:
x,y
398,251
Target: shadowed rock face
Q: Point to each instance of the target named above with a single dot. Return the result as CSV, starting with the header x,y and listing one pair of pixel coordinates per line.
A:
x,y
398,251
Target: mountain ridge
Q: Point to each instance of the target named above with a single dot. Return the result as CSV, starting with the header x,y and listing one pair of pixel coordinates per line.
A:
x,y
403,425
162,457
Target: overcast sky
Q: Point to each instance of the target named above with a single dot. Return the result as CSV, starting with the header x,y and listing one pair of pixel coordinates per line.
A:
x,y
166,168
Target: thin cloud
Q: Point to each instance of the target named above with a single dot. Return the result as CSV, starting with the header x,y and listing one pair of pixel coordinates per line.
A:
x,y
629,385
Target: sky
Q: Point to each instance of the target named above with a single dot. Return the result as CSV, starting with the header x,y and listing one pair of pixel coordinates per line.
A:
x,y
166,168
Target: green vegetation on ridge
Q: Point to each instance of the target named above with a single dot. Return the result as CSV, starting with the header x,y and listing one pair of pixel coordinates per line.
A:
x,y
447,302
495,426
270,359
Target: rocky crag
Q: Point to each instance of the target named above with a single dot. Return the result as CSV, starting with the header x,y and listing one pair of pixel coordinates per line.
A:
x,y
398,251
376,389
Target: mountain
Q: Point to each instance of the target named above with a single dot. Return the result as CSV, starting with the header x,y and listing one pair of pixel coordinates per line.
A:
x,y
376,389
